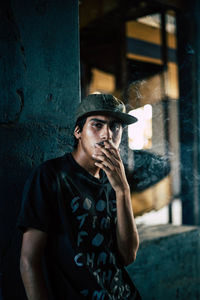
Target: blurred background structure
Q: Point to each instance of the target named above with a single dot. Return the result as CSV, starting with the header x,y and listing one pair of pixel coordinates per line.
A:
x,y
129,49
52,54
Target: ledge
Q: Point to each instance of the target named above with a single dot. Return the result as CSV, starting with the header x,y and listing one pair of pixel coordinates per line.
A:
x,y
168,263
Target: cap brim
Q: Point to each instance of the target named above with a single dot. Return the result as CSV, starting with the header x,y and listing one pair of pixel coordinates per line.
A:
x,y
123,117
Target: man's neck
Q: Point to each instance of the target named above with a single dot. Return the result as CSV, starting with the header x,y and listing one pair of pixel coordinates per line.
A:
x,y
86,164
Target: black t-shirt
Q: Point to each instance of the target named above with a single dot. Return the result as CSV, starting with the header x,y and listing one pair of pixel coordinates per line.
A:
x,y
78,211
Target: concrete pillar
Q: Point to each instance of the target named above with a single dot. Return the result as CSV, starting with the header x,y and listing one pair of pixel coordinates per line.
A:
x,y
39,79
188,29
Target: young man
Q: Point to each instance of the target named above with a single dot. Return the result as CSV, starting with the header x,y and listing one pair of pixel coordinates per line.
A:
x,y
77,218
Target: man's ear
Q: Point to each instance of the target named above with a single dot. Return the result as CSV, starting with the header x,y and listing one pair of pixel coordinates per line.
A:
x,y
77,132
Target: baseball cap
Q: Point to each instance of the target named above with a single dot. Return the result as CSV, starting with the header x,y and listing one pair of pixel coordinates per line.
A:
x,y
105,104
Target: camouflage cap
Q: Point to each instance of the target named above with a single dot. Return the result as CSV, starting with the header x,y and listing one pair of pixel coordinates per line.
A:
x,y
105,104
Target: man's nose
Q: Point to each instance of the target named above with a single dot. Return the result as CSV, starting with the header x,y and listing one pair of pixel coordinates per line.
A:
x,y
106,133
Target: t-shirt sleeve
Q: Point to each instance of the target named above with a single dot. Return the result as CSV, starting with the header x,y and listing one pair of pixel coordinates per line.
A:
x,y
39,203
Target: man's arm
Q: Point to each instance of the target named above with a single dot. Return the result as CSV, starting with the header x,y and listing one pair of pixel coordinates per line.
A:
x,y
33,245
127,234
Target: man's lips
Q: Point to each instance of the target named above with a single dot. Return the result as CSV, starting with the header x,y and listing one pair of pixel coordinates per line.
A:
x,y
97,148
100,143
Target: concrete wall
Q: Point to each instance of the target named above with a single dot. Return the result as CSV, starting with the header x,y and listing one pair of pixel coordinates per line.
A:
x,y
168,263
39,79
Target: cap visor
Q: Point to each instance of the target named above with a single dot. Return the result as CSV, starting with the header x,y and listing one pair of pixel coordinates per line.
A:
x,y
123,117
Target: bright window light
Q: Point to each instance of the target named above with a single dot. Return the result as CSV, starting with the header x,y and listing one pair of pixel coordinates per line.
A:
x,y
140,133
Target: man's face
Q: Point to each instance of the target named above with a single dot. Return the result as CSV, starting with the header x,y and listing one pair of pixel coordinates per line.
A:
x,y
96,130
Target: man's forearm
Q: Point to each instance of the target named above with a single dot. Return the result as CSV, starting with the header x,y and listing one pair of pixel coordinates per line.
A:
x,y
127,234
34,283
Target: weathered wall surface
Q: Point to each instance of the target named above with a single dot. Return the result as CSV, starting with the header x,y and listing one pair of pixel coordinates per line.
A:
x,y
168,263
39,80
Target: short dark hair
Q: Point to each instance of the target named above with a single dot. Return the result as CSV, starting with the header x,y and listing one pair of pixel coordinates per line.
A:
x,y
80,123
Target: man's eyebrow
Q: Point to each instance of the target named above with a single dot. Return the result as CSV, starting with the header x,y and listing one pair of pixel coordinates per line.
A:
x,y
98,120
103,121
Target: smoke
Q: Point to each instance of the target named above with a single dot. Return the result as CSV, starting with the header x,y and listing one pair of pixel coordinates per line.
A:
x,y
134,94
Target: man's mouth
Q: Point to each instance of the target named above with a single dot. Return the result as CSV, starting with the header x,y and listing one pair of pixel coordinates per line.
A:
x,y
101,143
98,147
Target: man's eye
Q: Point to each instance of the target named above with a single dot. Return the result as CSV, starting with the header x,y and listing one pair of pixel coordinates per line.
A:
x,y
97,125
115,127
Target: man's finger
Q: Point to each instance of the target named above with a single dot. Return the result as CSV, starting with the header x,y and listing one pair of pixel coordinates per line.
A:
x,y
105,160
111,153
111,147
104,166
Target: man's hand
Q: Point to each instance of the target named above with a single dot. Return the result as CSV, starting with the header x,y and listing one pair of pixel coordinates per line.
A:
x,y
110,161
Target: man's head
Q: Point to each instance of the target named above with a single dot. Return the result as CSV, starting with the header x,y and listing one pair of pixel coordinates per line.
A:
x,y
102,116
